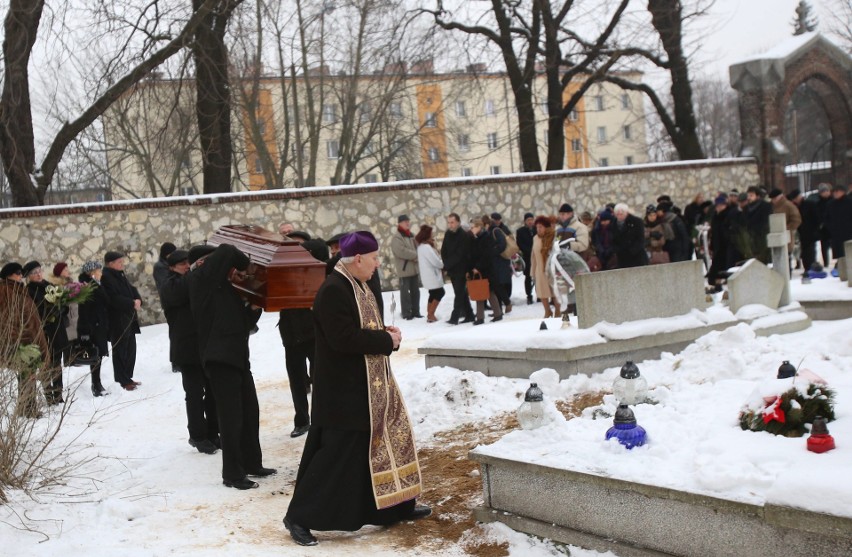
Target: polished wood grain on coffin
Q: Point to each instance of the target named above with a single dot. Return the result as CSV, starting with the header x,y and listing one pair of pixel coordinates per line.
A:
x,y
281,275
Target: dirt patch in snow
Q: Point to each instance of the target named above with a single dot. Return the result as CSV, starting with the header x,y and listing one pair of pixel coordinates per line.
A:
x,y
453,488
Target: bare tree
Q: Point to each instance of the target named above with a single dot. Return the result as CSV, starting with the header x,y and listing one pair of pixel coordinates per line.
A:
x,y
841,23
29,181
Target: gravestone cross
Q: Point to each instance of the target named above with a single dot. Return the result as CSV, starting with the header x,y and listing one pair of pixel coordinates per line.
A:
x,y
777,241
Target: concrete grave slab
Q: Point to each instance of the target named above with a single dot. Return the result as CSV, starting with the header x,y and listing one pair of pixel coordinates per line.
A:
x,y
755,283
640,293
842,270
847,261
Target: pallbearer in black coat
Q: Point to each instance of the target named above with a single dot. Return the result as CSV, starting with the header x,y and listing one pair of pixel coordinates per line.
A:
x,y
93,322
123,301
224,321
360,464
201,418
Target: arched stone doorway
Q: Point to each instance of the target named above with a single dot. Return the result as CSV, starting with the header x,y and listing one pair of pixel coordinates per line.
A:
x,y
767,86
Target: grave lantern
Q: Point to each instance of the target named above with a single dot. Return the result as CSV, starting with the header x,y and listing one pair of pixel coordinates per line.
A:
x,y
630,387
786,370
625,429
531,411
820,441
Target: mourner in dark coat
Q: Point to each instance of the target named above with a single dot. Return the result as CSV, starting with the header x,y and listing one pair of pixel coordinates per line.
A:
x,y
838,220
455,253
123,301
93,322
482,261
524,236
501,268
725,229
201,419
54,319
339,485
628,238
296,327
224,322
756,219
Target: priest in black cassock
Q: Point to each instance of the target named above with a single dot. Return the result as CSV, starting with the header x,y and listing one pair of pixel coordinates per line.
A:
x,y
359,465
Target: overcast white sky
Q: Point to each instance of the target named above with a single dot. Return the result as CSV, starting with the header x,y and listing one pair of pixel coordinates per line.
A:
x,y
737,29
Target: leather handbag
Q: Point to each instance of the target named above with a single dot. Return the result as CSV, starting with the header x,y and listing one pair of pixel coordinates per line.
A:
x,y
477,288
84,353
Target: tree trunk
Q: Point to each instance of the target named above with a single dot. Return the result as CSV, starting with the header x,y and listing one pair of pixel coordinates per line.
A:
x,y
17,143
213,98
666,17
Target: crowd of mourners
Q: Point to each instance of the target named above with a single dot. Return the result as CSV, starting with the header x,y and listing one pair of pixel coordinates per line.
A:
x,y
60,322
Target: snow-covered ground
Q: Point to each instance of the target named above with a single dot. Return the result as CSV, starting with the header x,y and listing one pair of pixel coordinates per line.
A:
x,y
141,490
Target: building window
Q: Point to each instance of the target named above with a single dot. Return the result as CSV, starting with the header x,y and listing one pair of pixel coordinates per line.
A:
x,y
625,101
431,121
599,103
628,160
627,132
492,141
464,143
258,165
396,109
396,146
261,127
332,148
371,178
368,148
545,109
489,108
495,169
602,134
604,161
573,116
365,112
546,139
461,109
329,113
101,196
434,154
576,145
187,190
466,171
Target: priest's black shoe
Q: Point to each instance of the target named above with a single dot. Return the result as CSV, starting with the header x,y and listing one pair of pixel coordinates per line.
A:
x,y
300,430
262,472
242,483
468,319
300,534
419,511
479,322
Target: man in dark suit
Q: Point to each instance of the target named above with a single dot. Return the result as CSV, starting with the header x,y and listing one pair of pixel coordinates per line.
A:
x,y
123,300
455,253
223,323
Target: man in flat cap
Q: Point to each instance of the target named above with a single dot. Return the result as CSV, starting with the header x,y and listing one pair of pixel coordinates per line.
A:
x,y
123,303
223,322
201,418
359,465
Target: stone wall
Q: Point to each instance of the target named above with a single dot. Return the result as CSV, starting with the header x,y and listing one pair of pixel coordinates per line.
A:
x,y
76,233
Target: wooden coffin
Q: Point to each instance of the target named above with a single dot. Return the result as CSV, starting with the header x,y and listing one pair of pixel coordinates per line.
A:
x,y
281,275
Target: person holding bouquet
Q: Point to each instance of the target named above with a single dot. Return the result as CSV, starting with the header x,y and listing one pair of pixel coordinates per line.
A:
x,y
54,319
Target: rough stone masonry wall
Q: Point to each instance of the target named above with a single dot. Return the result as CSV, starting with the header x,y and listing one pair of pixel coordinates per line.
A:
x,y
76,233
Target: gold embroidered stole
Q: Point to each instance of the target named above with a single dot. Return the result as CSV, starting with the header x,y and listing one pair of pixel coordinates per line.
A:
x,y
394,469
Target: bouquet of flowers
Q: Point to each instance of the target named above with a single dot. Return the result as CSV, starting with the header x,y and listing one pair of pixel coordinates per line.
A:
x,y
71,293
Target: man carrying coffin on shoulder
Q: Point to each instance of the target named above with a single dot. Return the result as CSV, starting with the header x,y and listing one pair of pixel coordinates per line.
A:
x,y
359,465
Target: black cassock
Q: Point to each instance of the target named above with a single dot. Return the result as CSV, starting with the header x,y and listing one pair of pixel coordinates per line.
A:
x,y
333,486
